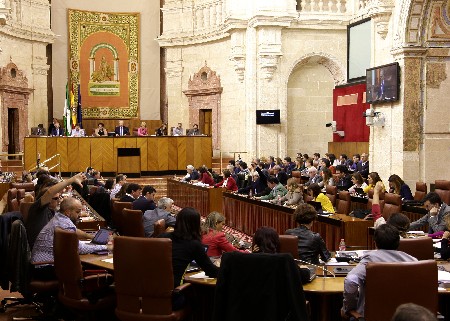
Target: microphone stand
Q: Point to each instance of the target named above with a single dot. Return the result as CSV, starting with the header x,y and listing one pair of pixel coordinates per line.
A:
x,y
325,271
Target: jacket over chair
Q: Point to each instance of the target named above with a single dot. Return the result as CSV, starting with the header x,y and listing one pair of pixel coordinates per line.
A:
x,y
263,287
144,280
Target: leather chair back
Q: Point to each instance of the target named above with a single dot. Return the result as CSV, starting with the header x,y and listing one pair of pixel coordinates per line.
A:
x,y
421,191
11,194
145,294
20,194
343,203
421,248
24,208
297,175
414,282
13,205
92,190
443,189
159,227
28,187
331,192
289,244
134,225
369,202
67,265
392,204
117,208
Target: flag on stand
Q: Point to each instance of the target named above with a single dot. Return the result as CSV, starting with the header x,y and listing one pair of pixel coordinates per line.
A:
x,y
67,114
79,110
73,108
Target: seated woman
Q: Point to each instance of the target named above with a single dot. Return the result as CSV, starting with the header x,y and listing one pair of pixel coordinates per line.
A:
x,y
187,247
373,179
358,182
445,248
228,182
294,195
327,178
398,186
162,130
205,176
142,130
213,236
315,191
310,244
100,130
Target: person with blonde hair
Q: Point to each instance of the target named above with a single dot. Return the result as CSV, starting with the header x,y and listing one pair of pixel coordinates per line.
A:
x,y
294,195
213,237
142,130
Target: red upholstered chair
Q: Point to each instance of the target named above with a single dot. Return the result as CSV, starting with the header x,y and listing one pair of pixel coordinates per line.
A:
x,y
410,288
79,291
343,203
117,208
146,293
369,202
13,205
289,244
421,248
297,175
331,192
20,194
392,204
28,187
421,191
133,223
443,189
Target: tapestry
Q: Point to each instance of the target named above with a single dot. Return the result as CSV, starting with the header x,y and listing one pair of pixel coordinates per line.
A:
x,y
104,61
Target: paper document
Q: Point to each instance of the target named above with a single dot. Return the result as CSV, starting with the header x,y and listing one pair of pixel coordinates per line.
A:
x,y
199,275
110,260
443,276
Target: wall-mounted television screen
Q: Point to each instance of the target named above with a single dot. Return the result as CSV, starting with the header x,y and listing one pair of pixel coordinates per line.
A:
x,y
382,83
267,117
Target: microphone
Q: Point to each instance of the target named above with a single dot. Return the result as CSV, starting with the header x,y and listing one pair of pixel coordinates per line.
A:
x,y
317,266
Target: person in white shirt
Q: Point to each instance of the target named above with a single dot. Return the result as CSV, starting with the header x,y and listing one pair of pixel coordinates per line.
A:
x,y
178,131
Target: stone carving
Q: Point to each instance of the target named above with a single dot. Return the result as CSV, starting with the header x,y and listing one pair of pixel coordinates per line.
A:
x,y
204,93
439,23
435,74
412,128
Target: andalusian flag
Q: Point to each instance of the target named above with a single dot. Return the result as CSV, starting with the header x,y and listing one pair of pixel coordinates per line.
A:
x,y
67,114
79,110
72,108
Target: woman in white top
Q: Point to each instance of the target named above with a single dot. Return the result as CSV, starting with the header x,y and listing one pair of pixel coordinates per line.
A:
x,y
77,131
358,182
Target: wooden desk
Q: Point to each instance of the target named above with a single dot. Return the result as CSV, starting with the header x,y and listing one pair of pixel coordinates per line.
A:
x,y
97,261
247,215
165,153
204,199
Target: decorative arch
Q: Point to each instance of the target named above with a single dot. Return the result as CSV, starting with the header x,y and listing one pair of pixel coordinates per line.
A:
x,y
329,62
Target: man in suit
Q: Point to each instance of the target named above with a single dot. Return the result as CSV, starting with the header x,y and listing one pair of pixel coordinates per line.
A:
x,y
194,131
345,181
57,131
147,200
363,166
121,130
40,130
280,174
314,176
161,212
132,193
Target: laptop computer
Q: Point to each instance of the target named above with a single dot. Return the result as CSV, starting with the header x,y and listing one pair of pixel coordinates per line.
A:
x,y
359,191
316,205
101,237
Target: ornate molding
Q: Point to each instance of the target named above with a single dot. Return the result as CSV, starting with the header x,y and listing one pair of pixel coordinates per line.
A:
x,y
238,55
16,30
380,11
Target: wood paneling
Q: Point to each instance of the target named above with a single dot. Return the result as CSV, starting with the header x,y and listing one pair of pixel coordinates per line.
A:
x,y
157,153
348,148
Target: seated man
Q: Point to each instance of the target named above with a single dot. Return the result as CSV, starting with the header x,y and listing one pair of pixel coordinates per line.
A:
x,y
437,210
40,130
314,176
161,212
192,174
121,130
345,181
132,193
178,131
57,130
146,201
194,131
280,174
120,180
386,239
64,219
277,190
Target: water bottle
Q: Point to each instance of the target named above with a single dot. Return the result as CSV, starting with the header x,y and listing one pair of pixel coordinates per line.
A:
x,y
250,193
279,200
342,245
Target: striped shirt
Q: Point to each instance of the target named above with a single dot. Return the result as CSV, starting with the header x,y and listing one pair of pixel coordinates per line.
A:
x,y
43,246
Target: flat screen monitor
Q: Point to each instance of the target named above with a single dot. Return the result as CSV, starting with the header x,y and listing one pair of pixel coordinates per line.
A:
x,y
267,117
382,83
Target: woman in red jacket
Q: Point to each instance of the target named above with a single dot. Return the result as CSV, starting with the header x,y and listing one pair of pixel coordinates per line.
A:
x,y
213,236
228,182
205,176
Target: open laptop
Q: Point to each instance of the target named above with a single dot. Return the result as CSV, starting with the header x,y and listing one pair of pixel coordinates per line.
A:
x,y
101,237
316,205
359,191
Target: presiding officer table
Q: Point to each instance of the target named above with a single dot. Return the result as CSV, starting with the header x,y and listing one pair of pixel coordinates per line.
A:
x,y
164,153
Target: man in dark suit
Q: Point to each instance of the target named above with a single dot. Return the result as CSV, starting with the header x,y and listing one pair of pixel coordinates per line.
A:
x,y
147,200
121,130
344,182
279,173
194,131
132,193
40,130
363,166
57,131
